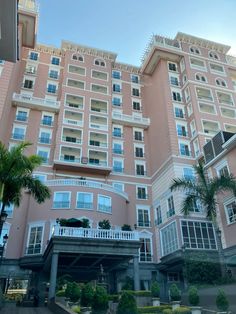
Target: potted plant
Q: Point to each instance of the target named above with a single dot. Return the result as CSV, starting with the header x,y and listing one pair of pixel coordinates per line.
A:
x,y
85,223
86,298
175,296
104,224
127,304
126,227
100,301
155,291
194,300
222,302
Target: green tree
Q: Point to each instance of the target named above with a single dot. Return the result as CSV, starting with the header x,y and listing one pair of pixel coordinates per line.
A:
x,y
87,295
73,291
100,300
204,190
127,304
222,302
16,174
104,224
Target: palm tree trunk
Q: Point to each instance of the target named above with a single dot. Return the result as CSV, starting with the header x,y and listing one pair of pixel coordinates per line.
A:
x,y
1,222
223,266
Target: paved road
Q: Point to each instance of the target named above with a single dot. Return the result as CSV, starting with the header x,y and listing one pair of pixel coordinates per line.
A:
x,y
12,309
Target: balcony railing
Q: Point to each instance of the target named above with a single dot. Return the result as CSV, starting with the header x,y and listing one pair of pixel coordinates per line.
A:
x,y
74,122
133,120
84,205
71,139
28,99
70,158
47,122
145,257
61,204
18,136
22,118
117,235
45,140
33,249
142,223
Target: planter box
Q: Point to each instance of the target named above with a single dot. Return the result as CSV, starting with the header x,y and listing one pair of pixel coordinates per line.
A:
x,y
175,305
196,309
156,301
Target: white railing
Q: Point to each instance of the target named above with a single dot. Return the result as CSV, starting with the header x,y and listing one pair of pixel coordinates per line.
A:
x,y
231,60
95,233
28,5
36,101
74,122
160,41
131,119
86,183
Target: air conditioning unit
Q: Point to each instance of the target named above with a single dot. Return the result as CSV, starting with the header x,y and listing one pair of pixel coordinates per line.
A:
x,y
84,160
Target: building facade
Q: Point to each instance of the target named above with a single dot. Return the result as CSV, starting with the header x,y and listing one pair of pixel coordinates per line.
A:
x,y
113,136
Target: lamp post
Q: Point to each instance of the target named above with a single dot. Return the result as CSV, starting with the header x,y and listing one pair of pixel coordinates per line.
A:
x,y
3,218
184,270
5,238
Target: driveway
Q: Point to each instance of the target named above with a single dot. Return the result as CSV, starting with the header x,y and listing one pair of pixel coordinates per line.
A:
x,y
12,309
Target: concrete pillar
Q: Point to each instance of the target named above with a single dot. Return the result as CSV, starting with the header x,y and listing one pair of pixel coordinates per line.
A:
x,y
136,273
53,276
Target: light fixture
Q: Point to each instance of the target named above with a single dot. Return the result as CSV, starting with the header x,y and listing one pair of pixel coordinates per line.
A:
x,y
3,216
5,238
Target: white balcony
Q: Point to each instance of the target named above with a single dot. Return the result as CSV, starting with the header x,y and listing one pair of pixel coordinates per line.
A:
x,y
125,119
103,234
35,103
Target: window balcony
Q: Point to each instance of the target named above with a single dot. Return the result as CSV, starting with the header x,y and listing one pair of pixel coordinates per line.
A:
x,y
18,136
74,101
35,103
142,196
98,143
74,121
158,221
70,158
47,122
141,173
70,139
84,205
22,118
104,208
142,223
133,120
118,169
98,106
117,134
170,213
117,151
61,204
33,249
145,257
45,140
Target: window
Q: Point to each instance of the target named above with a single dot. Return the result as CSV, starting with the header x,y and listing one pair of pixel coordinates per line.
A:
x,y
221,82
45,137
33,56
34,244
9,210
179,112
204,94
117,148
200,78
139,152
172,67
197,64
30,69
116,75
174,81
140,170
184,149
134,78
216,68
169,240
53,74
225,99
22,115
104,204
198,235
142,193
99,62
61,200
145,252
136,105
176,96
194,50
118,165
230,210
77,57
117,132
143,217
188,174
55,61
135,92
28,84
41,177
116,101
213,55
171,206
158,215
47,120
172,277
181,130
44,154
18,133
116,88
52,88
118,186
84,200
138,135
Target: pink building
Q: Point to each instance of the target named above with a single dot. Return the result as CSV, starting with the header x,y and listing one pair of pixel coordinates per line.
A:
x,y
113,136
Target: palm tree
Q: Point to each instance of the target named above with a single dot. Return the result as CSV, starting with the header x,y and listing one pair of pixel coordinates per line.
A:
x,y
204,190
16,174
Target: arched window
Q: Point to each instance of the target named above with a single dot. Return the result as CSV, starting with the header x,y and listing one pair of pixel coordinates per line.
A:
x,y
213,55
100,62
77,57
200,77
194,50
221,82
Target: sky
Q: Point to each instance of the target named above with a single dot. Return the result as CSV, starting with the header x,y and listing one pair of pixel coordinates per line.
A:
x,y
126,26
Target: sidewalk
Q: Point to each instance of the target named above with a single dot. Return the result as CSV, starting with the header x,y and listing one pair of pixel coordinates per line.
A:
x,y
12,309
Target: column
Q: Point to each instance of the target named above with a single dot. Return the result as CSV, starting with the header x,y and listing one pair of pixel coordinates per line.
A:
x,y
53,276
136,273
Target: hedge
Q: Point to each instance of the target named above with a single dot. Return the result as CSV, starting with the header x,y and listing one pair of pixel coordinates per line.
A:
x,y
153,309
141,293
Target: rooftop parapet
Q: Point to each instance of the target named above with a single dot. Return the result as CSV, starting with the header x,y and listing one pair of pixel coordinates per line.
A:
x,y
28,5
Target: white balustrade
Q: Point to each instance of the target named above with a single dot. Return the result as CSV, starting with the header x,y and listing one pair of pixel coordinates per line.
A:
x,y
36,101
95,233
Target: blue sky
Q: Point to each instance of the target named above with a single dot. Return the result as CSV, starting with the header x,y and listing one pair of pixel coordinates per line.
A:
x,y
125,26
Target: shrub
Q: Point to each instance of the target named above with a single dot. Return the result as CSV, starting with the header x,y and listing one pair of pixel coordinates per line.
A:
x,y
174,293
113,297
182,310
127,304
104,224
100,299
87,295
85,223
154,309
61,293
222,302
167,311
128,283
140,293
126,227
193,296
155,289
76,309
63,280
73,291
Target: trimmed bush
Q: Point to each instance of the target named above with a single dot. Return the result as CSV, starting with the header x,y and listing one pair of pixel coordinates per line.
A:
x,y
155,290
182,310
127,304
73,291
167,311
76,309
126,227
87,295
104,224
154,309
175,293
100,300
222,302
61,293
140,293
193,296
